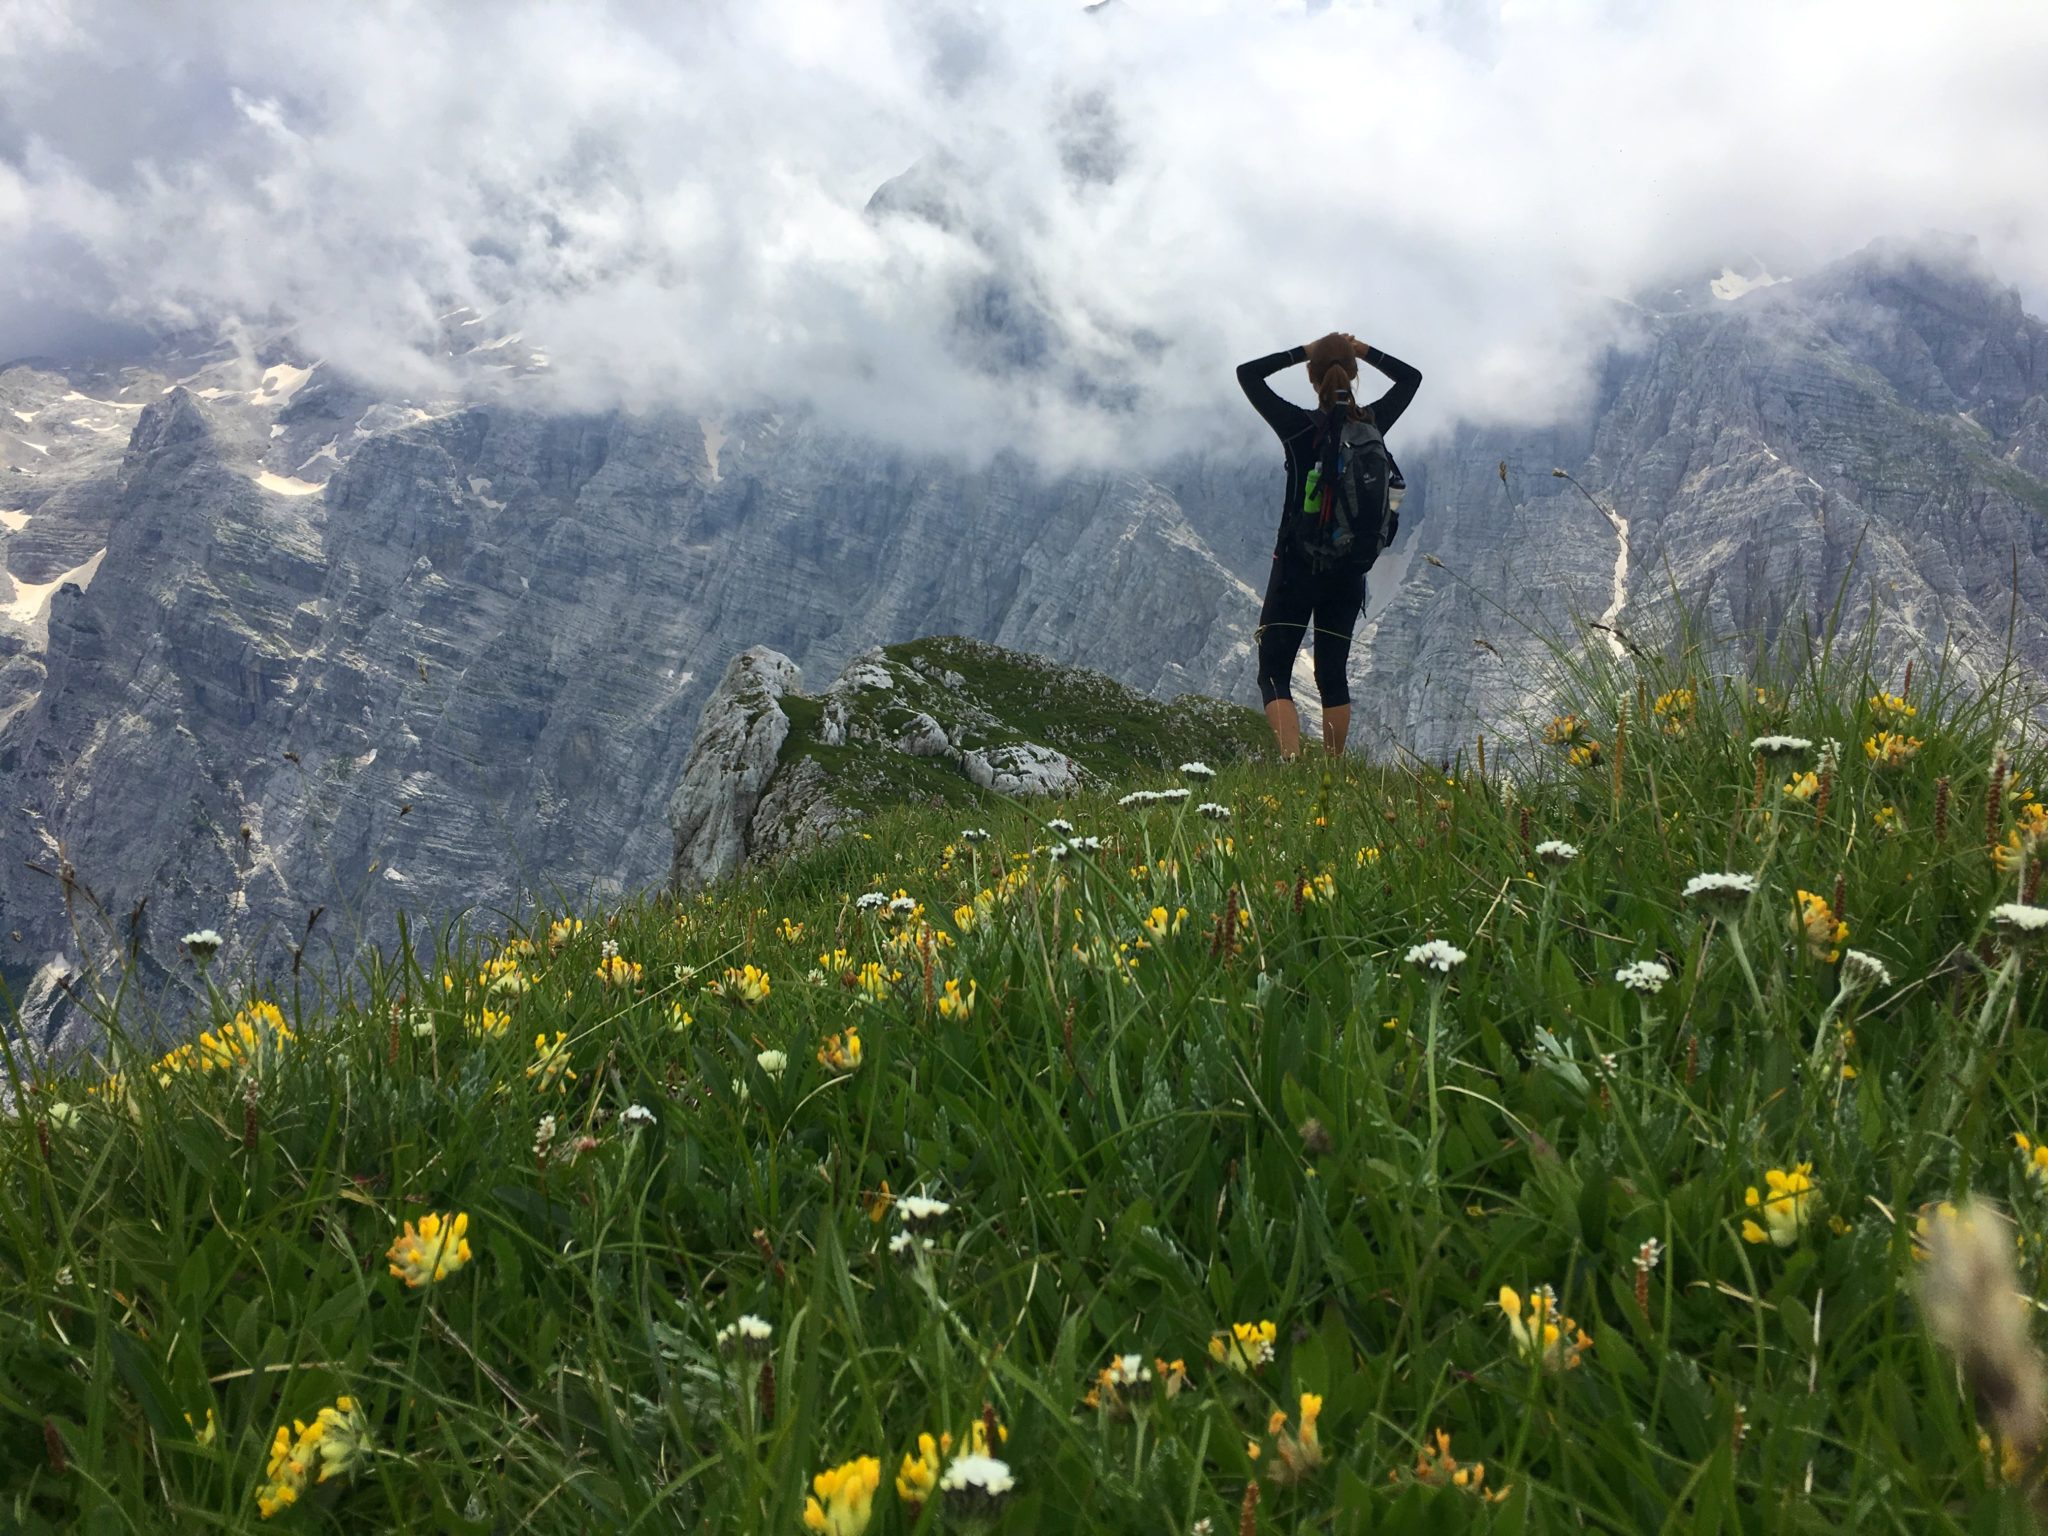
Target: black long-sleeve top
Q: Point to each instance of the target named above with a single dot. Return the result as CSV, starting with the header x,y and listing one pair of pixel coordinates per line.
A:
x,y
1295,424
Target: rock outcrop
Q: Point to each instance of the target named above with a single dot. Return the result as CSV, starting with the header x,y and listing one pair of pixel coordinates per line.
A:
x,y
739,741
944,719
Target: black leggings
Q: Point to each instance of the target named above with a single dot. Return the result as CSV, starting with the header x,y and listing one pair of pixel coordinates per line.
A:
x,y
1295,599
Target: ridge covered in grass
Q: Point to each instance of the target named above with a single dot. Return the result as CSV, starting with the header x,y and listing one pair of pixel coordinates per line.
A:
x,y
1306,1147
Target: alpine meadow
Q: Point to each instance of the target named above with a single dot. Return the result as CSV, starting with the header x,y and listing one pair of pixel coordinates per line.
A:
x,y
1271,1147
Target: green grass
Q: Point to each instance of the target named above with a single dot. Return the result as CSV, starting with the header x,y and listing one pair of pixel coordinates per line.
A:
x,y
1124,1137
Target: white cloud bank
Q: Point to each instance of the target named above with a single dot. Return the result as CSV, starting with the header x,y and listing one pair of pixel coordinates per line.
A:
x,y
670,198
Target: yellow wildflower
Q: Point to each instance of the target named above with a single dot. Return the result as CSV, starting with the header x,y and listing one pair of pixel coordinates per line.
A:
x,y
617,971
1436,1467
955,1004
791,932
1890,709
1300,1451
255,1032
206,1433
333,1445
918,1477
1815,921
1584,755
2025,839
1785,1209
1565,731
1803,786
1888,749
1159,924
1544,1337
1246,1347
963,916
747,984
841,1053
842,1499
1676,711
1886,818
489,1027
874,984
2034,1158
550,1064
1367,856
563,930
431,1252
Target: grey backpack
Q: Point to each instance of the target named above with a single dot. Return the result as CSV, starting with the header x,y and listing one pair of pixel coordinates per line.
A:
x,y
1349,506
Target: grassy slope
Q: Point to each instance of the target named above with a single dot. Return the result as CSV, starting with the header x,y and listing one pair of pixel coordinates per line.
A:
x,y
1006,697
1119,1132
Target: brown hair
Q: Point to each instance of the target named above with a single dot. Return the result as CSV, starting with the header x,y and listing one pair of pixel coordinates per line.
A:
x,y
1331,364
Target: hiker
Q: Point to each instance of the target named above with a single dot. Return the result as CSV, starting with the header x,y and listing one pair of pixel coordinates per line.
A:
x,y
1338,513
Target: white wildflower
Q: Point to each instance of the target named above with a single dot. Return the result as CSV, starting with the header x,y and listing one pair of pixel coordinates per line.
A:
x,y
1436,955
903,905
1213,811
974,834
1198,770
920,1211
1556,853
1780,746
610,949
1059,826
906,1247
1644,976
1085,844
636,1116
1178,792
750,1335
204,943
2019,923
1724,892
774,1063
868,901
1862,969
975,1487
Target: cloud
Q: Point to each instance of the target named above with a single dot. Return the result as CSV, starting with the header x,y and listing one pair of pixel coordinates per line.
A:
x,y
1110,209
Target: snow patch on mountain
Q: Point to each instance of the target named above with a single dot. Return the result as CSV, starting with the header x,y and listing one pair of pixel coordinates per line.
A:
x,y
31,599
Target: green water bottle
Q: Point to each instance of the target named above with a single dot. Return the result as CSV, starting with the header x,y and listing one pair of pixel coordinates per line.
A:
x,y
1311,498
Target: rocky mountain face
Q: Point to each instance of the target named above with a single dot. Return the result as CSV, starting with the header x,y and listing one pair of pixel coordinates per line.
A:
x,y
269,643
942,720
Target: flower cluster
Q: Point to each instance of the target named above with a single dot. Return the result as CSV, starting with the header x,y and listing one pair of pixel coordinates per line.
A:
x,y
1298,1452
1889,749
1786,1205
550,1065
1436,1467
1245,1348
841,1052
1646,977
334,1444
432,1251
746,984
252,1037
1676,711
1436,955
1814,921
842,1500
1543,1336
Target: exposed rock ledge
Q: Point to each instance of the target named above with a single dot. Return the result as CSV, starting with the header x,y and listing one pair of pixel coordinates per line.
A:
x,y
944,720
